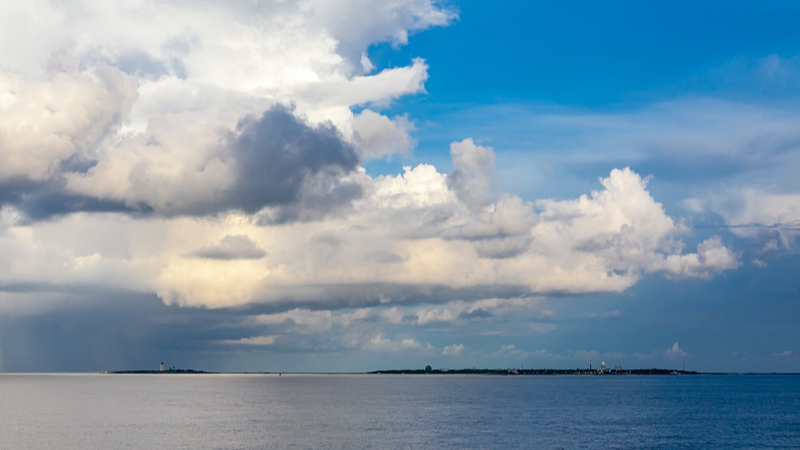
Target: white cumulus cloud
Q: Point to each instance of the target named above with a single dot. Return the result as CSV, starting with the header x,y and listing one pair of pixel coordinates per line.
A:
x,y
208,152
674,352
453,350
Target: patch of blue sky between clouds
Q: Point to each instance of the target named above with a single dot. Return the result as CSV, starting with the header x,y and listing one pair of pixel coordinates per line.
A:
x,y
701,97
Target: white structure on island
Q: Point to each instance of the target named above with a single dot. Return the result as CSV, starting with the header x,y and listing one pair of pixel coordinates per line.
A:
x,y
162,367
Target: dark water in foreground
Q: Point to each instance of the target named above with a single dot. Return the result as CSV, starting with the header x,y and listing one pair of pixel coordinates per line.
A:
x,y
396,411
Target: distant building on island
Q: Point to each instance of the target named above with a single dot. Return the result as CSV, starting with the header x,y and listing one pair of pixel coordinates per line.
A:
x,y
162,367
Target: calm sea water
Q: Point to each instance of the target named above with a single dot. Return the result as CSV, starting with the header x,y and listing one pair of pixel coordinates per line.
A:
x,y
396,411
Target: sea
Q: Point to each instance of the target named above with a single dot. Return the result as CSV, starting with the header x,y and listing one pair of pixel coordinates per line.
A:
x,y
94,411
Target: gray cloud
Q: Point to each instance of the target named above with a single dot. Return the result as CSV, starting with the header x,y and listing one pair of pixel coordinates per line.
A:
x,y
343,295
44,200
319,196
133,332
504,247
279,161
384,257
142,64
472,177
478,313
231,247
283,161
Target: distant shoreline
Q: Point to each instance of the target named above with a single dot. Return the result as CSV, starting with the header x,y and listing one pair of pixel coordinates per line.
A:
x,y
504,372
158,372
513,371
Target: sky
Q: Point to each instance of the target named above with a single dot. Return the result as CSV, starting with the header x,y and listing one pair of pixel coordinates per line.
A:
x,y
353,185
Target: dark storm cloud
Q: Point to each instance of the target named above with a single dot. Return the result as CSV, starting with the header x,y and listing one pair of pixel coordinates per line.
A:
x,y
283,161
43,200
321,195
132,332
280,160
231,247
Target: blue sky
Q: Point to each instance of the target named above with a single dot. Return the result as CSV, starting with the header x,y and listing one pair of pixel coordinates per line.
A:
x,y
501,67
584,54
420,199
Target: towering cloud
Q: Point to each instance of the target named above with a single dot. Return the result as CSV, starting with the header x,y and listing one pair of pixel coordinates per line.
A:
x,y
272,159
208,153
400,237
65,118
165,106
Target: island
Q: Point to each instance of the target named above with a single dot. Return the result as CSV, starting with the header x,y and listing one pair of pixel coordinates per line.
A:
x,y
160,372
514,371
